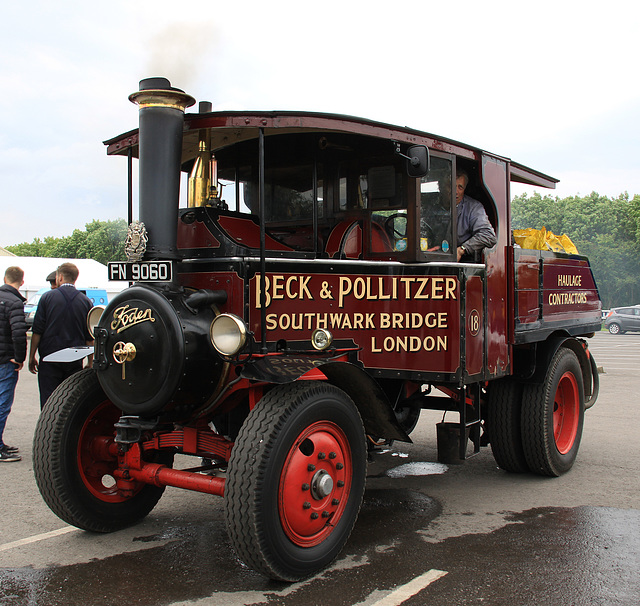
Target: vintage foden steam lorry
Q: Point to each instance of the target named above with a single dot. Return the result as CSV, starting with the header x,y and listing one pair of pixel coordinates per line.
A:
x,y
305,304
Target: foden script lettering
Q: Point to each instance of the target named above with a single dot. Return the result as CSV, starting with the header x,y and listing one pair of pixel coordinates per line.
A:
x,y
124,317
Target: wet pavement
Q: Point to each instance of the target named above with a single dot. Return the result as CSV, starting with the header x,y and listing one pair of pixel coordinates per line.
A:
x,y
498,538
582,555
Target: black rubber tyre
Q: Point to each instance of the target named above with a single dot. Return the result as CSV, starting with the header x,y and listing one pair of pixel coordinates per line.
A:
x,y
74,477
288,516
614,329
553,416
504,425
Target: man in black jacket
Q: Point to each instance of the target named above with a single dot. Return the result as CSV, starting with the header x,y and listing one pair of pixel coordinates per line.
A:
x,y
13,350
60,322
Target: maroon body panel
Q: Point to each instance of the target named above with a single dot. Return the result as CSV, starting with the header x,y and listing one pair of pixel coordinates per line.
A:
x,y
475,322
195,235
409,322
494,173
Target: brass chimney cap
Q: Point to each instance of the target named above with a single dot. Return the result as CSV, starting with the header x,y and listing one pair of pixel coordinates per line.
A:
x,y
158,92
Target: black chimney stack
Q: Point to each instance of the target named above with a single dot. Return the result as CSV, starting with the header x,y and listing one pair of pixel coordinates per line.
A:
x,y
161,118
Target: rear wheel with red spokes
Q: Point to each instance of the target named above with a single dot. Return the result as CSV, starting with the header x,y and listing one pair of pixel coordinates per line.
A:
x,y
553,416
295,480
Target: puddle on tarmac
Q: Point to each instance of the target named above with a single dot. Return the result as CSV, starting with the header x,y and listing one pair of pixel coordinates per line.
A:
x,y
417,469
198,562
547,556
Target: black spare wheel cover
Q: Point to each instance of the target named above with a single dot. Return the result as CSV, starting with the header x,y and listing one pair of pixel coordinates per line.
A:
x,y
145,318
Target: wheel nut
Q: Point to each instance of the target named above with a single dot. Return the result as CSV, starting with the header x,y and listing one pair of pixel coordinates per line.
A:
x,y
306,505
339,465
314,515
325,514
305,486
335,502
340,484
321,455
332,455
311,467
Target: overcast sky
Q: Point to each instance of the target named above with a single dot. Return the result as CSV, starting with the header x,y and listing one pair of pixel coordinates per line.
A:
x,y
551,84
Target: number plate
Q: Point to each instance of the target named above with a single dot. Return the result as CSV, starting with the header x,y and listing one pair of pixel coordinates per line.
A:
x,y
142,271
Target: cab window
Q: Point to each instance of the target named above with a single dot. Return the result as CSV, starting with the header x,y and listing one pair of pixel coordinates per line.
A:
x,y
436,201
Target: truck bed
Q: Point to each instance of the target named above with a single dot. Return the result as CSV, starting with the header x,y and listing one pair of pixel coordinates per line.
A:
x,y
552,292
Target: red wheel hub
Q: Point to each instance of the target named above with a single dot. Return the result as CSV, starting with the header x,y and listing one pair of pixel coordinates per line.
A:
x,y
315,483
566,412
97,454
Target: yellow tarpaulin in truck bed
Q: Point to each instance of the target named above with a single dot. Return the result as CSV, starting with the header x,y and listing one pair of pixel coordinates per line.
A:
x,y
541,239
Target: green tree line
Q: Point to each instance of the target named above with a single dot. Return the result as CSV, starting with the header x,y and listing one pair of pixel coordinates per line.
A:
x,y
102,241
607,230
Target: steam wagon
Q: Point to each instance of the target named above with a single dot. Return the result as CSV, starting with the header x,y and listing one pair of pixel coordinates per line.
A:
x,y
304,304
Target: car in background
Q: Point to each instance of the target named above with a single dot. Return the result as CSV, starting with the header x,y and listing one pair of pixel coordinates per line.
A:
x,y
98,296
623,319
31,305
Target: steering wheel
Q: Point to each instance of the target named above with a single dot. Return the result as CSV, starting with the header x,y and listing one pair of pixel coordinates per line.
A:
x,y
389,226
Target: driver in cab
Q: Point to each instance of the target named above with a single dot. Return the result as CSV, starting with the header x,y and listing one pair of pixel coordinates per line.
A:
x,y
475,232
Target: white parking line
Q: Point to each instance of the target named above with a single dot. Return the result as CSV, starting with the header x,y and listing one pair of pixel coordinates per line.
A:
x,y
37,537
404,592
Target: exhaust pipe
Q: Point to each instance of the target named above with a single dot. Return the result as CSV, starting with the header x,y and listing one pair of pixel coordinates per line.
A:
x,y
161,121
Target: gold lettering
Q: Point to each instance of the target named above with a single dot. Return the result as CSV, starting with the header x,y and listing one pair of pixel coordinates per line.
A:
x,y
450,288
437,287
401,343
290,293
125,317
343,290
381,294
304,289
285,321
423,284
407,287
267,298
278,287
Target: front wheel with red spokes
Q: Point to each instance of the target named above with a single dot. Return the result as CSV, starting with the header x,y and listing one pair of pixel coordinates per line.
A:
x,y
295,480
553,416
75,459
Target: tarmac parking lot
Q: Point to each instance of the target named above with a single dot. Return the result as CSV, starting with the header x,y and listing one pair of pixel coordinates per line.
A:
x,y
427,534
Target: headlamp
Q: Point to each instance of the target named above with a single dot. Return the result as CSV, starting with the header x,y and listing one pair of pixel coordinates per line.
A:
x,y
93,317
228,334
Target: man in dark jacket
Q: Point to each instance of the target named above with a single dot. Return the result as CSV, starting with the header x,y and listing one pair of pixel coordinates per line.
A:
x,y
60,322
13,350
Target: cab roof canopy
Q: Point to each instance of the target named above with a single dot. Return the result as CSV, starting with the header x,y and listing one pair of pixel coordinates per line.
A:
x,y
231,127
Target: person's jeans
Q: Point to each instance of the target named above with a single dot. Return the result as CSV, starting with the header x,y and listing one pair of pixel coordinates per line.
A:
x,y
8,380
